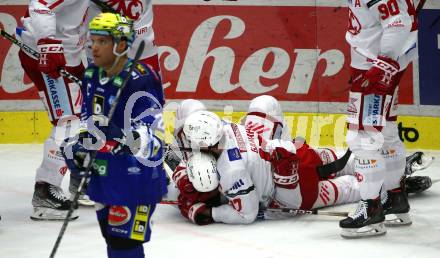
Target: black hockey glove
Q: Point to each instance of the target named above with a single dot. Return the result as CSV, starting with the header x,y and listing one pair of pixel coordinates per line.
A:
x,y
77,152
141,142
129,144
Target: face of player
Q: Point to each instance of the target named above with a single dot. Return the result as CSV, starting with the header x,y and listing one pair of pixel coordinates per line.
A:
x,y
102,50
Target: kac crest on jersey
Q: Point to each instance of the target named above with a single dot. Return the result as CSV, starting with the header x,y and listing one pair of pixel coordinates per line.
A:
x,y
133,9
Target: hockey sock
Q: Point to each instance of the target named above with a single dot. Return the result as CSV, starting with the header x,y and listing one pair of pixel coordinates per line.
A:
x,y
370,173
137,252
395,162
394,154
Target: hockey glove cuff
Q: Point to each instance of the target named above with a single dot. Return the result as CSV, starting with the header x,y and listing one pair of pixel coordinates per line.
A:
x,y
381,76
51,57
198,213
76,154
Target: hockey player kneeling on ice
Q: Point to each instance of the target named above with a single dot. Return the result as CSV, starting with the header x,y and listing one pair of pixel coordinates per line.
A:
x,y
128,178
239,164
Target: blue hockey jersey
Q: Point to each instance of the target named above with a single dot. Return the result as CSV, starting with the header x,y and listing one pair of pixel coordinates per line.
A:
x,y
124,179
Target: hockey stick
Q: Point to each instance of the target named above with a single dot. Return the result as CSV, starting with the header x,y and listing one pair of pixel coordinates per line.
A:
x,y
420,6
202,149
315,211
334,166
35,54
312,212
105,8
89,160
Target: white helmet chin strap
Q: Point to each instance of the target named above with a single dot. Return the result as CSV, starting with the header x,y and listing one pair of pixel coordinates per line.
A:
x,y
118,55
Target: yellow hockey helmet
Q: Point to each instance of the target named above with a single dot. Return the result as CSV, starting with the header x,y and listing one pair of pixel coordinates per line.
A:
x,y
113,24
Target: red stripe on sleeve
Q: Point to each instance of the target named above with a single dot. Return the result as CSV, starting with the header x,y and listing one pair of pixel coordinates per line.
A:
x,y
54,5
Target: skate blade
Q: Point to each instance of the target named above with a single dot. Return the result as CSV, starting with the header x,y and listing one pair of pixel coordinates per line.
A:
x,y
47,214
426,162
86,202
397,220
367,231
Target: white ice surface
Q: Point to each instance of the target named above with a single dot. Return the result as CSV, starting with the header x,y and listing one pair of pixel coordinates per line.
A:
x,y
174,237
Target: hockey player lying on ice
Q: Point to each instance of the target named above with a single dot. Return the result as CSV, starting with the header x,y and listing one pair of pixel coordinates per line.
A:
x,y
245,161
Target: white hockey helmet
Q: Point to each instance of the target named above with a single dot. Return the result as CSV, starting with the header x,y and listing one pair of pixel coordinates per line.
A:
x,y
268,105
202,172
203,129
187,107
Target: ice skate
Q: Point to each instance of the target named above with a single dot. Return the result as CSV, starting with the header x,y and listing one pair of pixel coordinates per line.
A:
x,y
396,208
414,162
417,184
417,161
50,203
367,220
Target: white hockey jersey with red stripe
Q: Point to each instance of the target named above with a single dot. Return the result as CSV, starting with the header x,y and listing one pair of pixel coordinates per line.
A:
x,y
245,178
382,27
141,11
59,19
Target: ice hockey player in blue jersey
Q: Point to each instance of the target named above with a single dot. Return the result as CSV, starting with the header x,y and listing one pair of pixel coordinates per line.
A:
x,y
128,179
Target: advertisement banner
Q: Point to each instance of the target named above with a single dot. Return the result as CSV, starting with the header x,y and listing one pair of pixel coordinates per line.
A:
x,y
239,52
227,52
234,53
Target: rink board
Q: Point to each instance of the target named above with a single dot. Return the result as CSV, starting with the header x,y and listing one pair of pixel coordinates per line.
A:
x,y
319,129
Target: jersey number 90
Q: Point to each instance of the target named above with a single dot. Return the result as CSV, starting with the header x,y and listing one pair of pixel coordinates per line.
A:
x,y
391,8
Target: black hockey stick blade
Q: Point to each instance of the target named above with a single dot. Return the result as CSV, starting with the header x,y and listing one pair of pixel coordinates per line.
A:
x,y
92,155
335,166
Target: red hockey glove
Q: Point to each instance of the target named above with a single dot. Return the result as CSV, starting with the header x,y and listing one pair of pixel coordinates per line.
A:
x,y
282,156
51,56
198,213
285,164
180,177
379,79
